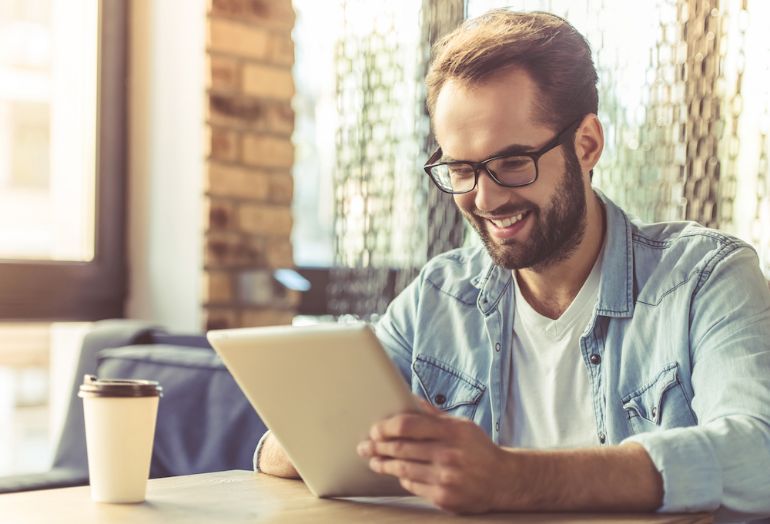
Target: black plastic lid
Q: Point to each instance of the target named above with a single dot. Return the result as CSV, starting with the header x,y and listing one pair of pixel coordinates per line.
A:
x,y
97,387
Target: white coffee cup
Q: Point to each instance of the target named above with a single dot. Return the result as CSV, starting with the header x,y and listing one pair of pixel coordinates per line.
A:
x,y
120,426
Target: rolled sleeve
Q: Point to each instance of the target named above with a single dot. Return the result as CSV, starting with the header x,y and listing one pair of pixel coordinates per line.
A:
x,y
722,465
691,473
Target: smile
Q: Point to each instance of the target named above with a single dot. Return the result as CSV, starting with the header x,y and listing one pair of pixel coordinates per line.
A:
x,y
509,221
505,229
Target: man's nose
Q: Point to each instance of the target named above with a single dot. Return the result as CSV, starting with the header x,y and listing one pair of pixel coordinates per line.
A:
x,y
489,195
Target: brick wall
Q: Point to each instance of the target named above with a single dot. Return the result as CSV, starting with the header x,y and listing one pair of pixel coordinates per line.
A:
x,y
248,191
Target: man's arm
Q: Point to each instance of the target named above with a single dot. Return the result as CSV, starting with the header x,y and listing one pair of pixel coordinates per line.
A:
x,y
720,464
273,460
723,463
613,478
453,463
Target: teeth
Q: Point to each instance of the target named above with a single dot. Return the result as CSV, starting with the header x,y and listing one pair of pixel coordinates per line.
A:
x,y
507,222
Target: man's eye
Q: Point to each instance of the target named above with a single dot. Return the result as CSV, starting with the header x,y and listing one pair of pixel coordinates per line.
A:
x,y
460,171
514,163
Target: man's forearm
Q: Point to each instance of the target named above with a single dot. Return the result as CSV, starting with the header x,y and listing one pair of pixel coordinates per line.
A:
x,y
273,460
618,478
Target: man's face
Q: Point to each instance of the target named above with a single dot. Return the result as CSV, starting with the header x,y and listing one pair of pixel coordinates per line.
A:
x,y
530,226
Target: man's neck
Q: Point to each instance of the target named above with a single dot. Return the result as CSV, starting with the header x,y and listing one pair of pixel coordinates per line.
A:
x,y
551,289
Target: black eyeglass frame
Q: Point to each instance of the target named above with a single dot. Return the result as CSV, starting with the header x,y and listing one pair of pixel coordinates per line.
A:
x,y
478,166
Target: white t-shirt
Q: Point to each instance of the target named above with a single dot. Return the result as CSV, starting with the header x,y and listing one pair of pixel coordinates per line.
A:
x,y
550,403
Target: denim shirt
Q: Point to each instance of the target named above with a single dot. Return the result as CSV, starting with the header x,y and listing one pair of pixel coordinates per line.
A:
x,y
677,349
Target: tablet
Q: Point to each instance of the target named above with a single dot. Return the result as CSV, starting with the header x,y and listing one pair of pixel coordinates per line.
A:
x,y
319,389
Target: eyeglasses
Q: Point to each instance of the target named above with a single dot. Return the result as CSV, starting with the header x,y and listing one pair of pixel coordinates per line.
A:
x,y
510,170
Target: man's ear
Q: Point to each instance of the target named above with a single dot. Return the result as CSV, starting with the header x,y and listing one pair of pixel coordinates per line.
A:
x,y
589,142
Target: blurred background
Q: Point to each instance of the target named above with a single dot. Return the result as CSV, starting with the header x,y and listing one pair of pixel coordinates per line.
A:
x,y
219,163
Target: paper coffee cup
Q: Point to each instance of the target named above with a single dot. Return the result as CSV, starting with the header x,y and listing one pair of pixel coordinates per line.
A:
x,y
120,426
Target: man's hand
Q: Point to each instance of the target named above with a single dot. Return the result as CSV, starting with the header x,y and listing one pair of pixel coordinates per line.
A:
x,y
273,460
449,461
452,463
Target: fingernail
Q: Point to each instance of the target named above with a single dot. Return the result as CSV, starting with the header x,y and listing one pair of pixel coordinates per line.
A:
x,y
363,449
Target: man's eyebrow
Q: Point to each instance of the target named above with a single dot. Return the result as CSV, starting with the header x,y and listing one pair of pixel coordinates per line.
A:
x,y
511,149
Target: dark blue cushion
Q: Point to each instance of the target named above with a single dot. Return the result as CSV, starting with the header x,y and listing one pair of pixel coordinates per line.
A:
x,y
204,421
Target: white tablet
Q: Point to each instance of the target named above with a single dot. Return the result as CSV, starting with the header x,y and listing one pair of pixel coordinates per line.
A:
x,y
319,389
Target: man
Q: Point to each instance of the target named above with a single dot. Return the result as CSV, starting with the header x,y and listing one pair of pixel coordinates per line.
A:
x,y
580,360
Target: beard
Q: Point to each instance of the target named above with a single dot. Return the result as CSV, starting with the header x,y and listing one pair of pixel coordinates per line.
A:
x,y
556,230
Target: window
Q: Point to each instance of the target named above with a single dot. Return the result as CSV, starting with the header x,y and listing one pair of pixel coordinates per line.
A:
x,y
62,143
62,114
37,363
316,30
359,196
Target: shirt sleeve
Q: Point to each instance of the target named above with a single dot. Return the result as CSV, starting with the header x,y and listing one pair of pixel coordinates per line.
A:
x,y
723,463
396,328
258,451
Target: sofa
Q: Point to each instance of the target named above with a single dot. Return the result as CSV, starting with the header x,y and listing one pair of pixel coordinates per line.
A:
x,y
204,421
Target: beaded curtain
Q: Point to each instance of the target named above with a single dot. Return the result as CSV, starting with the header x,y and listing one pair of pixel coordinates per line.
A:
x,y
684,90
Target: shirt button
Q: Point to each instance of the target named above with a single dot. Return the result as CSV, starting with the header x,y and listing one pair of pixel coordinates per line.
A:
x,y
595,359
497,347
654,413
439,399
602,438
497,426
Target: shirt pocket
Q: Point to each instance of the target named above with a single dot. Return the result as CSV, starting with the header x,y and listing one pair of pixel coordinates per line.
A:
x,y
660,403
447,388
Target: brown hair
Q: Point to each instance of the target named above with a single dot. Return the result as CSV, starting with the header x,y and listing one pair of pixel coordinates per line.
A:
x,y
546,46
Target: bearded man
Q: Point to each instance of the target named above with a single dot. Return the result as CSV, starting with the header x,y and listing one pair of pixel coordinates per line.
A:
x,y
581,359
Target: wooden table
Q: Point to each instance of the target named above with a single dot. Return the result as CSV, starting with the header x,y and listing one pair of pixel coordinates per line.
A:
x,y
242,496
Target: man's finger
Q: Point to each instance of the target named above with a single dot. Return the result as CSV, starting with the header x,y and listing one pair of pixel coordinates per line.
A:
x,y
428,407
418,488
403,469
418,451
414,426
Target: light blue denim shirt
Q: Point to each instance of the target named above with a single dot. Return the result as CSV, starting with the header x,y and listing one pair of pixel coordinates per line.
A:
x,y
681,329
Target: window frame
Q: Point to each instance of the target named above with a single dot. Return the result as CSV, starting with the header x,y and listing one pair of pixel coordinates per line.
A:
x,y
54,290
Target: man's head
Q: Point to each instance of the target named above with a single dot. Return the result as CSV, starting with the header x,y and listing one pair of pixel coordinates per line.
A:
x,y
509,84
546,46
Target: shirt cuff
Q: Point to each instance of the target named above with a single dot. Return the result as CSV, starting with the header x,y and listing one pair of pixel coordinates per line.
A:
x,y
258,451
688,465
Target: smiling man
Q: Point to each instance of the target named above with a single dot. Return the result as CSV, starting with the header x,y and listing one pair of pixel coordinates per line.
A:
x,y
580,359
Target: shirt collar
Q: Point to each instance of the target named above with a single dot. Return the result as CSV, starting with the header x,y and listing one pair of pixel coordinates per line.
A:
x,y
493,282
616,288
616,298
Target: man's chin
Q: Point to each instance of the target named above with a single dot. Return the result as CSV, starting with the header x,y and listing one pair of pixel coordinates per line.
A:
x,y
508,253
505,253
